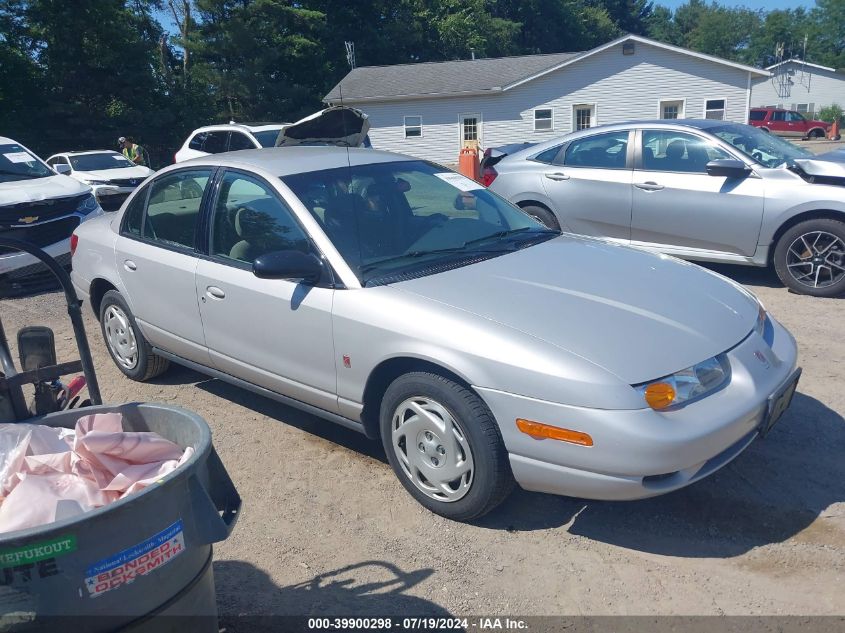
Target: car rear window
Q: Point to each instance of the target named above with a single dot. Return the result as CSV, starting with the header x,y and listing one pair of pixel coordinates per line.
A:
x,y
757,115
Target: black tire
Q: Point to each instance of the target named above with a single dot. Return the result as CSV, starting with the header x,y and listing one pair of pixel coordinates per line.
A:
x,y
837,253
542,214
492,480
148,364
817,133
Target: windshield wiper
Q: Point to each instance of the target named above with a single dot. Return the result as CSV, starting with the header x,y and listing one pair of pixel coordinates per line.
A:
x,y
6,172
464,248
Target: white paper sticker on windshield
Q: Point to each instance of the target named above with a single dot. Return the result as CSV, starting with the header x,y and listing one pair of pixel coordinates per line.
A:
x,y
457,180
19,157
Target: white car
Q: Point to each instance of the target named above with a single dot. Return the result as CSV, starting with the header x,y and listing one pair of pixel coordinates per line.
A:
x,y
215,139
110,174
38,206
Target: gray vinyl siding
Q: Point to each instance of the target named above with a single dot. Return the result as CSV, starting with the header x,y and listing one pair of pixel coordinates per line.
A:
x,y
622,87
819,87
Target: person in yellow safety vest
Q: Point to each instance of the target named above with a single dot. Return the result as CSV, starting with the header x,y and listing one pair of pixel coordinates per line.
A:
x,y
133,151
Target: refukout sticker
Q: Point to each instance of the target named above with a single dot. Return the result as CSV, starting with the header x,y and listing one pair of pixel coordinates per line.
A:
x,y
139,560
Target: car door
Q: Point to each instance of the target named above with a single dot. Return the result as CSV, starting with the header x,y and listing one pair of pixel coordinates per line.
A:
x,y
679,208
273,333
589,183
156,258
796,124
777,123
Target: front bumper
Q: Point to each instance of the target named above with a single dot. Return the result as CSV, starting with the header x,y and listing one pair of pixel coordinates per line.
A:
x,y
643,453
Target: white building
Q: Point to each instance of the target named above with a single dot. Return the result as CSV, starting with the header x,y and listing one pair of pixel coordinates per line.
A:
x,y
430,110
801,86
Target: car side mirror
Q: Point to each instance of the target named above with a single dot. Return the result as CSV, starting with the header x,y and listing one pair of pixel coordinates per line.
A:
x,y
37,347
292,265
61,168
728,168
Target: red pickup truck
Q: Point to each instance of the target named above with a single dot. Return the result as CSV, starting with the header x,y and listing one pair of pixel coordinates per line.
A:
x,y
787,123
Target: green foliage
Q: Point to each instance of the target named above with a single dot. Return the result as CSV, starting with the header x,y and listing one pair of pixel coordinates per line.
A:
x,y
832,113
79,74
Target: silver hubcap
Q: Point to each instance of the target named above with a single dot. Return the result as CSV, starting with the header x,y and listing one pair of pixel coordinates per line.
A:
x,y
816,259
432,449
120,337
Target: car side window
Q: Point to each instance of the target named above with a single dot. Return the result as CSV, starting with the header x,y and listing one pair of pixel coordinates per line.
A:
x,y
134,216
198,141
794,117
548,155
174,206
216,142
250,220
667,150
778,116
600,151
238,141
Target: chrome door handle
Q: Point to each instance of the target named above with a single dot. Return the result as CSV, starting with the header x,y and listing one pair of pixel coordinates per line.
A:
x,y
128,264
556,175
648,186
215,293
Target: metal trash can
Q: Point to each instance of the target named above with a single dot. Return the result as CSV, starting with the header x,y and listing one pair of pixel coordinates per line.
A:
x,y
118,567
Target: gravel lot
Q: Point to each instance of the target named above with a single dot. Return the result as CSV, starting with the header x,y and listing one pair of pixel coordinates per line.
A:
x,y
326,527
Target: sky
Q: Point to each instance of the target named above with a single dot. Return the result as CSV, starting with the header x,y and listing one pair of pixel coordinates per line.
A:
x,y
751,4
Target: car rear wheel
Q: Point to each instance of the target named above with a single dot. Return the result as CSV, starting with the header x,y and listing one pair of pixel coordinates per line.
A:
x,y
810,258
444,446
542,214
127,346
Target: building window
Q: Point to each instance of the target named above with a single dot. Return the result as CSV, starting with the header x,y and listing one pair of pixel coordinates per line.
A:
x,y
672,109
543,120
807,109
413,126
714,109
584,116
469,128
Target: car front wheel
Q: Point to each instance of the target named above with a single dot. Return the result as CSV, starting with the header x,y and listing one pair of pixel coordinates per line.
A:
x,y
444,446
810,258
127,346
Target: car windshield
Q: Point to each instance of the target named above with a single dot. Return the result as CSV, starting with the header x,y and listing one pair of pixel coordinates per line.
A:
x,y
267,138
17,163
411,218
99,162
765,148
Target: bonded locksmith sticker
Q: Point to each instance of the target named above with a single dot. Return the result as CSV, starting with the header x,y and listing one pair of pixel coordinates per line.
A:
x,y
139,560
37,551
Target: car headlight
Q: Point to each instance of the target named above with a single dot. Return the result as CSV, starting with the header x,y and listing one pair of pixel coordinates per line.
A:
x,y
97,182
87,205
686,385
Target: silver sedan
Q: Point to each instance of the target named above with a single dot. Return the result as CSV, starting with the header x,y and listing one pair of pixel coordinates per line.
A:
x,y
410,304
703,190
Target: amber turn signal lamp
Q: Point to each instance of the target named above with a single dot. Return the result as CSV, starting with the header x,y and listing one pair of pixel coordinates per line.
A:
x,y
546,431
659,395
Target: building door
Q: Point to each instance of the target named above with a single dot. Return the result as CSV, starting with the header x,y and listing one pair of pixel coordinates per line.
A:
x,y
470,130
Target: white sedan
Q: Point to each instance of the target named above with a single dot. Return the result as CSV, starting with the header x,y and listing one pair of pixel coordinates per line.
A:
x,y
110,174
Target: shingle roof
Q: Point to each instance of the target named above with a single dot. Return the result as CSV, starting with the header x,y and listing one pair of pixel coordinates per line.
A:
x,y
477,76
442,78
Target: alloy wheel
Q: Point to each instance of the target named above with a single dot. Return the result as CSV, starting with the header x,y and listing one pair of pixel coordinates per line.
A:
x,y
432,449
816,259
120,337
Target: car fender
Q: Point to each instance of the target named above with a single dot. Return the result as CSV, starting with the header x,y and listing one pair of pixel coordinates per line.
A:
x,y
777,218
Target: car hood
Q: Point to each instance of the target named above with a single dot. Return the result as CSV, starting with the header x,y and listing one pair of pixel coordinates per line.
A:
x,y
21,191
830,165
637,315
338,125
139,172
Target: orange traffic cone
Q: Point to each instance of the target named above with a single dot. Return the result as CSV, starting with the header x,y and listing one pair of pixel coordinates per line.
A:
x,y
834,130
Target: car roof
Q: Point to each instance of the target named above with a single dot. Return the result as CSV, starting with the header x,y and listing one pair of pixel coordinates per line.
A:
x,y
7,140
284,161
86,152
249,127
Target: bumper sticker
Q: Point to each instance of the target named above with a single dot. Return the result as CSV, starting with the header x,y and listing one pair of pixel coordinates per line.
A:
x,y
37,552
139,560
